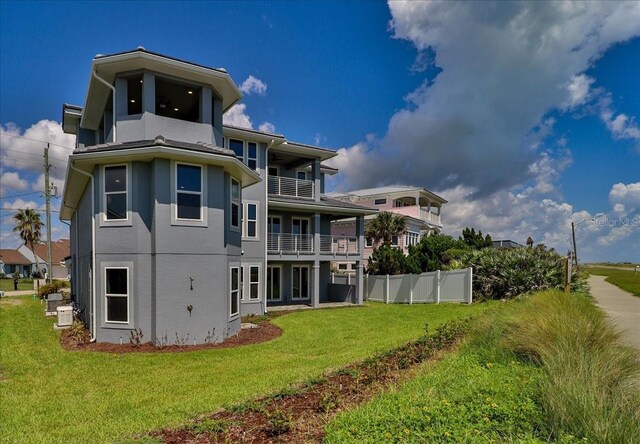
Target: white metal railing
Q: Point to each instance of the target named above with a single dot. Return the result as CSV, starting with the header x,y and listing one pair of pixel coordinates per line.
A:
x,y
289,187
338,244
289,243
426,214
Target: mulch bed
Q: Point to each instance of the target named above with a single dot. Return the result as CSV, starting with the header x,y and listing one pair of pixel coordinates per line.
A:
x,y
265,331
299,414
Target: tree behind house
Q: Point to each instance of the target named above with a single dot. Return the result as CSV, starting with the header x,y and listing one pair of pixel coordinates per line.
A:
x,y
385,226
29,227
475,240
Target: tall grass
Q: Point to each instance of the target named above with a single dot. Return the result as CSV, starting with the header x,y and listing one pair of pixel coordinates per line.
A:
x,y
592,388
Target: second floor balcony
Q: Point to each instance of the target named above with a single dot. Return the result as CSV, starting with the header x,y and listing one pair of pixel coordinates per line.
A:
x,y
301,244
426,214
290,187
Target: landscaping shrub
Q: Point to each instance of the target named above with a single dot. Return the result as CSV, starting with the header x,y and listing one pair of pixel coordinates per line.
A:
x,y
54,287
504,274
388,260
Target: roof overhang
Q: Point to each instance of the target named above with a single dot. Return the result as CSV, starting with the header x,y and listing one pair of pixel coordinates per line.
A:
x,y
107,67
312,206
75,182
259,136
71,115
305,150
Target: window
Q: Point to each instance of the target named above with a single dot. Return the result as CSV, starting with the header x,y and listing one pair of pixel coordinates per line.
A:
x,y
252,155
177,100
250,221
394,240
273,283
300,282
274,171
117,294
254,282
411,238
237,146
188,192
235,203
343,266
303,175
369,242
115,192
380,202
234,291
134,95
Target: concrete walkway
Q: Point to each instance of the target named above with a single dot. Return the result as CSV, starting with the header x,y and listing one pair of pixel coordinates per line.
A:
x,y
622,307
19,293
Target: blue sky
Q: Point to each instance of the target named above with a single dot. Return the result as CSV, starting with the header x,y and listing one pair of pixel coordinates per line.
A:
x,y
521,134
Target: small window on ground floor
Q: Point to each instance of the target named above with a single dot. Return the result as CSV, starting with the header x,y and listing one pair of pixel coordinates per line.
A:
x,y
234,291
117,294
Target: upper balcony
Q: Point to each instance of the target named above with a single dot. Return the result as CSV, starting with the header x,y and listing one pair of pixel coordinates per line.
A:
x,y
290,187
423,213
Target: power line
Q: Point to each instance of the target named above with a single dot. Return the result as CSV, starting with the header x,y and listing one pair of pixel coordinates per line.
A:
x,y
20,195
35,140
31,154
22,209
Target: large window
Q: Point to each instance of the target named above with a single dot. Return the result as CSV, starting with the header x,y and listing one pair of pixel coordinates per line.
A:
x,y
252,155
380,202
115,192
234,291
246,152
188,192
235,203
237,146
300,282
117,294
177,100
250,220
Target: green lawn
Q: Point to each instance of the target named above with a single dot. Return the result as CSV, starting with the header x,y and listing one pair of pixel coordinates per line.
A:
x,y
23,284
627,280
51,395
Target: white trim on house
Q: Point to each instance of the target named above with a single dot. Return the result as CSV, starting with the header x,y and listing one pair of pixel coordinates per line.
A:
x,y
104,221
237,202
246,220
175,220
116,295
237,291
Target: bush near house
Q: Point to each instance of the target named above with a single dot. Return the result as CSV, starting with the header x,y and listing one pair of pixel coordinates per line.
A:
x,y
504,274
54,287
546,368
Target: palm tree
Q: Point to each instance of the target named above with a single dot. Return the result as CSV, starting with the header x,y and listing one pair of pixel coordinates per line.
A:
x,y
29,226
385,226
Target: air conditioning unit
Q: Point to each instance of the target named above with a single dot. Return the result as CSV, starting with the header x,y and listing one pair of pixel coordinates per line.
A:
x,y
54,300
65,316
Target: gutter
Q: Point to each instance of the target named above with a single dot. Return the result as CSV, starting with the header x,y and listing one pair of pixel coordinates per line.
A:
x,y
93,250
94,73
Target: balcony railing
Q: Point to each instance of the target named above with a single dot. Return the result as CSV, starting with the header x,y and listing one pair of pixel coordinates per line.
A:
x,y
287,243
289,187
338,245
427,215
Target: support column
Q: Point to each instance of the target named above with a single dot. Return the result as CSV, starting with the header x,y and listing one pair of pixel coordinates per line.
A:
x,y
316,234
315,176
359,282
360,234
315,284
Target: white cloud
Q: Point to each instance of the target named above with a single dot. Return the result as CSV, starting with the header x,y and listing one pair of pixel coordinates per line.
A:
x,y
21,204
253,85
267,127
237,116
11,180
481,122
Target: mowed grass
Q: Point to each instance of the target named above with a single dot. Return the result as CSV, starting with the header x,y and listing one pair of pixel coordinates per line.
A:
x,y
23,284
52,395
627,280
547,369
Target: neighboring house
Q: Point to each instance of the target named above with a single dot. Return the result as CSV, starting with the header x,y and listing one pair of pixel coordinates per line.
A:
x,y
12,261
59,250
180,225
506,244
420,207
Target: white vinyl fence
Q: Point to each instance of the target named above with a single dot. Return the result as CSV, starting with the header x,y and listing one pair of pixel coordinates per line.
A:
x,y
433,287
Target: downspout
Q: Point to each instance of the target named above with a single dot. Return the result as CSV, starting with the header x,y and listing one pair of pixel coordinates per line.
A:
x,y
266,218
113,98
93,250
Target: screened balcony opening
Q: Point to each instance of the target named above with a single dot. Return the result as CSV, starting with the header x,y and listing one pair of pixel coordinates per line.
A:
x,y
134,95
177,101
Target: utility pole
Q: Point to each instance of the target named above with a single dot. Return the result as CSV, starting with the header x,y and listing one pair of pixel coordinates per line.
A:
x,y
573,236
47,194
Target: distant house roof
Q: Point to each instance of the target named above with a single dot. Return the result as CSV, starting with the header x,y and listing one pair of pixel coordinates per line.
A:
x,y
506,244
366,192
13,257
59,250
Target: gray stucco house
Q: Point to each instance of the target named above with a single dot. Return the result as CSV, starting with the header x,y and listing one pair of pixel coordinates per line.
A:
x,y
180,225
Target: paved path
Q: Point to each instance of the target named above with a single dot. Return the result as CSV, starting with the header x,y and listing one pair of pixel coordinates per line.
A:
x,y
19,293
623,307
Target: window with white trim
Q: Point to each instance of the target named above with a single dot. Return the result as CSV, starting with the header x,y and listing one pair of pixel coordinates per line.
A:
x,y
234,291
252,155
188,192
254,282
237,146
116,282
380,202
394,240
411,238
115,192
369,242
235,204
250,220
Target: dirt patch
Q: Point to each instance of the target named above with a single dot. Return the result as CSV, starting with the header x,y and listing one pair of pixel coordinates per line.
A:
x,y
265,331
10,301
299,414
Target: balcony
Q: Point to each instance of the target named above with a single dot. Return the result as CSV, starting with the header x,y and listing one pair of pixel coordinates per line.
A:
x,y
429,216
288,243
289,187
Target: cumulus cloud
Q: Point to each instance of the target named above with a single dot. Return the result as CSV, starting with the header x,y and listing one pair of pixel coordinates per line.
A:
x,y
267,127
505,66
253,85
11,181
237,116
